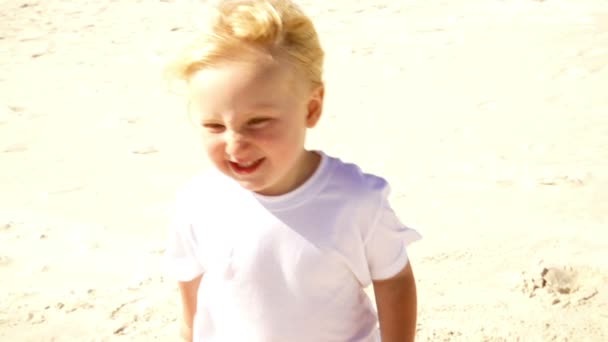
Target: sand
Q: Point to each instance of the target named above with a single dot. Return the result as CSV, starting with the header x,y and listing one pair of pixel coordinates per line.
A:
x,y
489,118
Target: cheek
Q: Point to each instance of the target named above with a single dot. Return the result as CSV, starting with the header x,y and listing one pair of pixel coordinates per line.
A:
x,y
277,139
213,146
288,132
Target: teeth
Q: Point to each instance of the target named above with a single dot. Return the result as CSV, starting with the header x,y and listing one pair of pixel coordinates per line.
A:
x,y
247,164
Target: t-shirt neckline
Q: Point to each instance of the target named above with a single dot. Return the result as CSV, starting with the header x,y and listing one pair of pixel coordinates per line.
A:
x,y
308,190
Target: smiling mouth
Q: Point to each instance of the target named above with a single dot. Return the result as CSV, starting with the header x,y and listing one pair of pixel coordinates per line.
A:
x,y
246,168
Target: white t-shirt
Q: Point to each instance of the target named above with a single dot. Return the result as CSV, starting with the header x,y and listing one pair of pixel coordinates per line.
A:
x,y
290,267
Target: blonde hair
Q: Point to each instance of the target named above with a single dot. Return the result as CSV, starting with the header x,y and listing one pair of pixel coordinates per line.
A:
x,y
277,27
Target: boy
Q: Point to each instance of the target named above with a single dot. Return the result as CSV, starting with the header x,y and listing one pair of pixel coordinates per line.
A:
x,y
277,243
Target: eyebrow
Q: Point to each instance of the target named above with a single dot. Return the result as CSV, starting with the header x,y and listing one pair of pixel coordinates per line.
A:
x,y
264,105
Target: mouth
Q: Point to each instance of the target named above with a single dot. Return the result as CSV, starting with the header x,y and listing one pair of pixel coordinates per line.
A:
x,y
246,168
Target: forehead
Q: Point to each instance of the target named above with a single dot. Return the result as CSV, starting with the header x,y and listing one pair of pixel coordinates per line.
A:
x,y
239,84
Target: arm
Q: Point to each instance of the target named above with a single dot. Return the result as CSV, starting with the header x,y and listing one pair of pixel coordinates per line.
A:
x,y
397,306
189,292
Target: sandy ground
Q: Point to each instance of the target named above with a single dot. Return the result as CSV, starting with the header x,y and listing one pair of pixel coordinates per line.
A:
x,y
489,118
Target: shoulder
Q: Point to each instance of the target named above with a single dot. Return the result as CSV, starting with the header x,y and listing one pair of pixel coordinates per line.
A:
x,y
358,194
352,180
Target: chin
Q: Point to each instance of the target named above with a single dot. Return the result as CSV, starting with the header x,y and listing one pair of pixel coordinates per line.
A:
x,y
264,187
264,190
254,187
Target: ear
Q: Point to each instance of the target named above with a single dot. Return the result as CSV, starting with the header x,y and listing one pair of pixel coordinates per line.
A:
x,y
315,106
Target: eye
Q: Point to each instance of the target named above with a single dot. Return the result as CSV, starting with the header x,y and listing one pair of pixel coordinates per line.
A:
x,y
214,127
258,122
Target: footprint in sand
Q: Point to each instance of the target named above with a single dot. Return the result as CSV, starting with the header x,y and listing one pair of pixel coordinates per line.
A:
x,y
17,147
145,150
565,285
9,112
573,178
6,226
5,260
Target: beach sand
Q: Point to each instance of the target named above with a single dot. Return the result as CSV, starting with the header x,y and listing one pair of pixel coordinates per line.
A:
x,y
489,118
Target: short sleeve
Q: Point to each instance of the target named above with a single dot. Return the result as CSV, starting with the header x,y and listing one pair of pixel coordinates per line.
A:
x,y
182,262
385,247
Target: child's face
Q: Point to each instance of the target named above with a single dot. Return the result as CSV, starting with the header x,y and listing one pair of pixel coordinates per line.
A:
x,y
254,117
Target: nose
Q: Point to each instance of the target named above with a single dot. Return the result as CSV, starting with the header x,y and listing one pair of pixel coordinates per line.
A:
x,y
236,144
